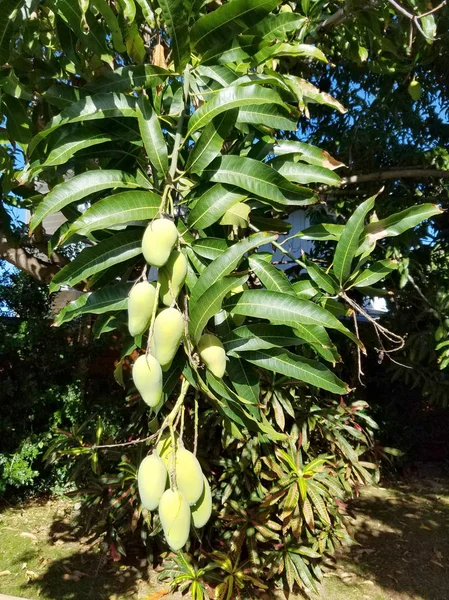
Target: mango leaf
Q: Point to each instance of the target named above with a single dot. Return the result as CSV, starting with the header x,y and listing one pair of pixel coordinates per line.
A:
x,y
212,205
175,16
99,106
300,173
259,336
324,280
284,49
307,153
245,380
210,248
112,22
272,278
79,187
115,249
209,304
399,222
297,367
152,135
259,179
305,289
134,43
276,26
374,273
282,308
242,50
321,232
129,78
116,210
211,141
269,115
66,147
349,240
8,15
112,298
228,21
227,262
306,90
230,98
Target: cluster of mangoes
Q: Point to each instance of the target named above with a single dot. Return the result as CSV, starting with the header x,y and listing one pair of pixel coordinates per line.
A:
x,y
188,500
158,247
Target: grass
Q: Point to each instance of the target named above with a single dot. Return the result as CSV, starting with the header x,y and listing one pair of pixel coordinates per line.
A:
x,y
402,552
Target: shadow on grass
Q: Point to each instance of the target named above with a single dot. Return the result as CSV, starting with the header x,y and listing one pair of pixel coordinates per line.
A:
x,y
403,536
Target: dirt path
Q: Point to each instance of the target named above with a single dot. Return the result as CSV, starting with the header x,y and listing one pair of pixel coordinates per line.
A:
x,y
402,553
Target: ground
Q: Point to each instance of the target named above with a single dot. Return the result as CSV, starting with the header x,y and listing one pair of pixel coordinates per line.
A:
x,y
402,552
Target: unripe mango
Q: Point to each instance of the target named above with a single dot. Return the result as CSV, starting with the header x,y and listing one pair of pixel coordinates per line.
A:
x,y
172,277
202,509
158,241
140,307
167,335
414,89
189,476
213,354
147,377
174,513
152,481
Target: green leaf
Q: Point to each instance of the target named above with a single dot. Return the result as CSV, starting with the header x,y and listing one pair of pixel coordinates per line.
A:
x,y
321,232
284,49
175,17
259,336
399,222
112,298
8,16
152,135
228,21
349,240
276,26
117,210
319,339
374,273
227,262
79,187
305,289
230,98
245,380
271,277
307,153
301,173
99,106
269,115
211,141
242,50
134,43
91,260
125,79
17,120
259,179
304,90
210,248
281,308
212,205
112,22
129,9
209,304
299,368
323,280
66,147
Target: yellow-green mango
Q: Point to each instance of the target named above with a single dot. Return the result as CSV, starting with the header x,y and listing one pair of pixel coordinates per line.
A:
x,y
167,335
172,275
213,354
415,90
147,377
174,513
140,307
151,481
202,509
158,241
189,476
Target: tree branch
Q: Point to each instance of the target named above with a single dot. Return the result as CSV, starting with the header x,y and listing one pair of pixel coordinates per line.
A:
x,y
405,173
20,258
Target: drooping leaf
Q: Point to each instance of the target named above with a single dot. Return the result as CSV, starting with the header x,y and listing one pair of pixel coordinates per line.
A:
x,y
259,179
118,248
280,360
324,280
65,148
212,205
152,135
268,115
307,153
224,264
245,380
225,23
276,26
175,16
349,240
374,273
301,173
79,187
110,298
321,232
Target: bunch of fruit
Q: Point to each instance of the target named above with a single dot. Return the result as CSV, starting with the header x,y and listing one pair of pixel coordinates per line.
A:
x,y
170,479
